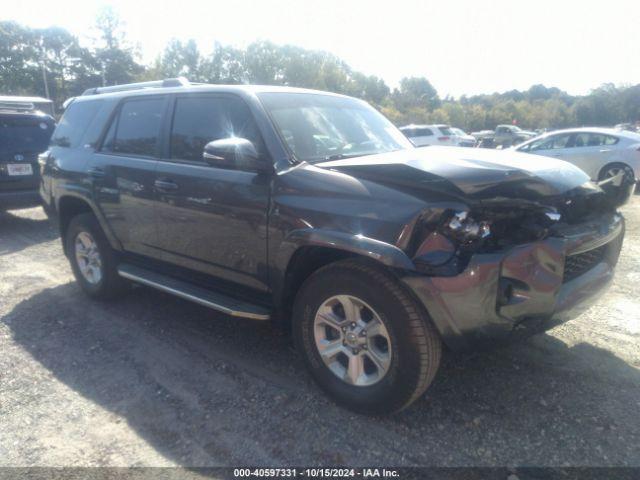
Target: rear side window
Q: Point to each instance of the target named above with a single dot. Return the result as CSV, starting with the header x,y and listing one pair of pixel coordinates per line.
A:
x,y
74,123
417,132
136,129
200,120
598,140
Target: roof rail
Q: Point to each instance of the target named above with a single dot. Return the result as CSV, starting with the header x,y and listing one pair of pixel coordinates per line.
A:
x,y
167,82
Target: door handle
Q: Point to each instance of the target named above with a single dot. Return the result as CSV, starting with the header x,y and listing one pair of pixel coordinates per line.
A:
x,y
96,172
165,185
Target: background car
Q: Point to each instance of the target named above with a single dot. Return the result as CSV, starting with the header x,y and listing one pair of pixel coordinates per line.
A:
x,y
601,152
463,138
630,127
424,135
503,136
24,133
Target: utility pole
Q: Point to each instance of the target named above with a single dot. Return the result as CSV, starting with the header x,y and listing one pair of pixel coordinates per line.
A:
x,y
44,79
44,69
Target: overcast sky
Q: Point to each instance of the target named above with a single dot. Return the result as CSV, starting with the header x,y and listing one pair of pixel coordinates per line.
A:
x,y
461,46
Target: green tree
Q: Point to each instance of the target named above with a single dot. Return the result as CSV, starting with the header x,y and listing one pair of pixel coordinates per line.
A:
x,y
181,59
20,64
416,92
115,56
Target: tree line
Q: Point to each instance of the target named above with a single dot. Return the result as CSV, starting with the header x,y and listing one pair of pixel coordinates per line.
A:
x,y
52,62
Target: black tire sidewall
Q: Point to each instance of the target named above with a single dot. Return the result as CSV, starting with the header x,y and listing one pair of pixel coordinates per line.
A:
x,y
399,384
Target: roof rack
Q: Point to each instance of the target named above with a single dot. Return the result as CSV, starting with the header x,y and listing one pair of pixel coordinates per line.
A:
x,y
166,83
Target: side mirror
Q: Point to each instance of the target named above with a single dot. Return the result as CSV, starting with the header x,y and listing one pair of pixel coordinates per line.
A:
x,y
233,153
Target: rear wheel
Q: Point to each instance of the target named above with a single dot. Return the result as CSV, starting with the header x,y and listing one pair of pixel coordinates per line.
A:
x,y
92,259
364,339
622,173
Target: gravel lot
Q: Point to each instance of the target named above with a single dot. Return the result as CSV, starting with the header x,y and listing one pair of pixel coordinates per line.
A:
x,y
154,380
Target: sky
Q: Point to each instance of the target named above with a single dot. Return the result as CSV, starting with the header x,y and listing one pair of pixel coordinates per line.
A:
x,y
461,46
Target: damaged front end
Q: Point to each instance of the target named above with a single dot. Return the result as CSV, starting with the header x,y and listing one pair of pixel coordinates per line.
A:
x,y
508,267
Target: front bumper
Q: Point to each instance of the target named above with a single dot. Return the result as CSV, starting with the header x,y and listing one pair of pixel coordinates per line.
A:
x,y
502,296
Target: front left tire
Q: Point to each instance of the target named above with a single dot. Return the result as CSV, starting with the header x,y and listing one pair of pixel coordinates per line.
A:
x,y
365,340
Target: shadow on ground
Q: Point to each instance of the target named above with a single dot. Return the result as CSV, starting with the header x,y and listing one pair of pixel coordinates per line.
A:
x,y
206,390
18,232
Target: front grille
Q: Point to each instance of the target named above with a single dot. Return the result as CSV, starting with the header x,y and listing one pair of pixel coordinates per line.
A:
x,y
576,265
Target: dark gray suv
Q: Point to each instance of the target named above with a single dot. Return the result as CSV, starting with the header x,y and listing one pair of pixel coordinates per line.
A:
x,y
312,210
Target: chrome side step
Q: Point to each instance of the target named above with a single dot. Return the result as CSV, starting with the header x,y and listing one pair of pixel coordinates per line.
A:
x,y
208,298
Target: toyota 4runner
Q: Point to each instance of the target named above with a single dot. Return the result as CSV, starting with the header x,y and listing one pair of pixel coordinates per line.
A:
x,y
311,209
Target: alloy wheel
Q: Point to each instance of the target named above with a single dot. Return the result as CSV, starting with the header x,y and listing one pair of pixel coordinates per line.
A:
x,y
352,340
88,257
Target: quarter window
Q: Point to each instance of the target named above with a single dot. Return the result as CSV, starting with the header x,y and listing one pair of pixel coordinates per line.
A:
x,y
74,123
136,130
200,120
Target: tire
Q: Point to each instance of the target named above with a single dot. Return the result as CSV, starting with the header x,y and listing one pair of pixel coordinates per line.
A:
x,y
610,167
413,348
109,284
619,193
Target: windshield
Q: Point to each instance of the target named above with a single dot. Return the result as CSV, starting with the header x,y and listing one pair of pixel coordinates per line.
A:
x,y
24,135
323,127
460,133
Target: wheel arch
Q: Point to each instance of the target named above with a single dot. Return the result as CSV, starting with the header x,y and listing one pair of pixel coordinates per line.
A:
x,y
306,251
69,206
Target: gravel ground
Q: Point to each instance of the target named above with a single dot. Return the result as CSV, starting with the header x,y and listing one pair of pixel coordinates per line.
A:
x,y
151,380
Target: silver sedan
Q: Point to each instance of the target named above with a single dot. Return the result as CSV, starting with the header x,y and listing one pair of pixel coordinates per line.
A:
x,y
603,153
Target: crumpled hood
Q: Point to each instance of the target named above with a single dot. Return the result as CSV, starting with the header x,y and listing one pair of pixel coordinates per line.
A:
x,y
476,174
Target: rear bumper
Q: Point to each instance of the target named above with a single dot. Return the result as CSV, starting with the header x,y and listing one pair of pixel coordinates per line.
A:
x,y
502,296
19,199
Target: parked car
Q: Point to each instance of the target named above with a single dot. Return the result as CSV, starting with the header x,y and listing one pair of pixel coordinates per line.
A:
x,y
631,127
602,153
502,136
312,210
425,135
40,104
24,133
463,139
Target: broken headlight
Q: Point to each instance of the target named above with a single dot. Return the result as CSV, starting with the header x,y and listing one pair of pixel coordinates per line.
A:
x,y
444,249
463,228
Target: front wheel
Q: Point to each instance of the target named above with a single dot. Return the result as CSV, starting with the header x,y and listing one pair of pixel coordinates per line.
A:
x,y
364,339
